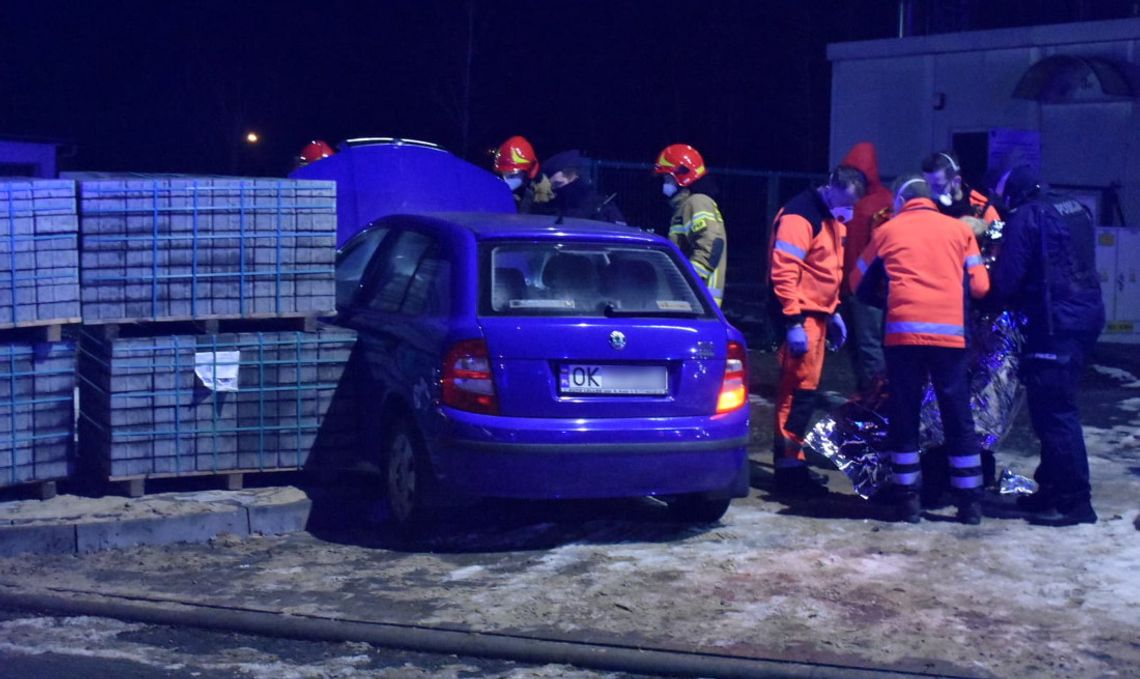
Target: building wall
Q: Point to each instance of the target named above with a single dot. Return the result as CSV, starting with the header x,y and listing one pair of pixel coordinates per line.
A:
x,y
28,158
885,91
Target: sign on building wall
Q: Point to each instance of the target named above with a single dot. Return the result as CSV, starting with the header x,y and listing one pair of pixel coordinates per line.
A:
x,y
1010,147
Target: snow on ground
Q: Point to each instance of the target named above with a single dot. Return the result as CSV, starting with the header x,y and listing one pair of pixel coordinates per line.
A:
x,y
829,581
1127,379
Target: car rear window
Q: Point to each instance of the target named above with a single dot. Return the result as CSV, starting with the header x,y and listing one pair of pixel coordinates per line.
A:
x,y
576,279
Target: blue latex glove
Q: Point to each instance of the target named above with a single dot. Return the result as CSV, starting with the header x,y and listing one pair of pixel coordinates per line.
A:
x,y
797,340
836,332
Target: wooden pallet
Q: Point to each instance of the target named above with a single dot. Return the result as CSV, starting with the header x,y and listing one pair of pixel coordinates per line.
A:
x,y
205,325
38,490
36,331
135,486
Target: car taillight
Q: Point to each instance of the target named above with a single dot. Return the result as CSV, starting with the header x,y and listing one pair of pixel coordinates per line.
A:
x,y
467,382
734,388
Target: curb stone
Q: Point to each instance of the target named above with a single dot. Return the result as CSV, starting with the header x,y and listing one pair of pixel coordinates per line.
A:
x,y
77,537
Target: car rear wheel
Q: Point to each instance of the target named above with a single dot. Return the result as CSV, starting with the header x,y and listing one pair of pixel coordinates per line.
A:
x,y
698,508
407,475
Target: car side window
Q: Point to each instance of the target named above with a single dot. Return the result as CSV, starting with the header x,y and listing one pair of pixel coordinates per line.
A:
x,y
352,262
428,294
394,274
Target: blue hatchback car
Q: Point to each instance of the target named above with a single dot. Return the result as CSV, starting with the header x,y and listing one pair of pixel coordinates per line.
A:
x,y
513,356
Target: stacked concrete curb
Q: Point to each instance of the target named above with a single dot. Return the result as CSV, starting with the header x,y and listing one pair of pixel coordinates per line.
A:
x,y
194,520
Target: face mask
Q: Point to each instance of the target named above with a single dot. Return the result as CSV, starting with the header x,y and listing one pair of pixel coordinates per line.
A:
x,y
514,181
843,214
669,189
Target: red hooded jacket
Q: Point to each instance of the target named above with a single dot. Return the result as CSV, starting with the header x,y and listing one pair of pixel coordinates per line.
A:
x,y
878,198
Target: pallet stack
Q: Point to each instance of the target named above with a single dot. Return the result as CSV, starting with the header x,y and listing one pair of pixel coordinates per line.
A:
x,y
163,249
200,352
39,296
231,403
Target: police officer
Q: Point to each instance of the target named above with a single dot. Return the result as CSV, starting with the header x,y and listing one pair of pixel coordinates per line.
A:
x,y
696,227
1047,269
928,259
806,269
574,194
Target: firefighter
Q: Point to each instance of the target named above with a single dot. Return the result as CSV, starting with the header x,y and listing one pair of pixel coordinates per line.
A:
x,y
865,321
927,259
954,197
806,268
313,151
697,226
517,164
1047,269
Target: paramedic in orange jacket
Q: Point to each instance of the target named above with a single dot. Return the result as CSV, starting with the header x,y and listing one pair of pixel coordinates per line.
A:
x,y
953,196
864,321
806,269
929,261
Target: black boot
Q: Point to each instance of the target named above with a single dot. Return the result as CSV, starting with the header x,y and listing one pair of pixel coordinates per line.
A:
x,y
817,477
1064,513
797,482
908,507
970,508
1041,501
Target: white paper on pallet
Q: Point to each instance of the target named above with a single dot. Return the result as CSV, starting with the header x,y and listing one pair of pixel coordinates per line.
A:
x,y
218,370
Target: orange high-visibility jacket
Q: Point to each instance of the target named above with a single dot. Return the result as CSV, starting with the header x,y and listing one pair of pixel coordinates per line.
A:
x,y
806,264
929,259
983,208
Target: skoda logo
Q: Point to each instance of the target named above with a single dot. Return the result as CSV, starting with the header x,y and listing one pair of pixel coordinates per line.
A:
x,y
617,339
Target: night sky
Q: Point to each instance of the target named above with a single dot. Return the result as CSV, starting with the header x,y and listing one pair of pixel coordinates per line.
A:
x,y
164,86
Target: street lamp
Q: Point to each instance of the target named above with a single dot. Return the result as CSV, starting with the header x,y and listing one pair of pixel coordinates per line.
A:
x,y
252,138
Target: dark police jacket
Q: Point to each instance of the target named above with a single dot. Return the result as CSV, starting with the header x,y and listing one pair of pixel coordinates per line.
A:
x,y
1047,268
579,199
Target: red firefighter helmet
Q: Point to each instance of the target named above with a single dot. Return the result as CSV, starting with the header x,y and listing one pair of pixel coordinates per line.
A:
x,y
683,162
516,155
314,151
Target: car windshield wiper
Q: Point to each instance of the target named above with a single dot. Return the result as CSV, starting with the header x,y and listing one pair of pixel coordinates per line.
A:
x,y
612,311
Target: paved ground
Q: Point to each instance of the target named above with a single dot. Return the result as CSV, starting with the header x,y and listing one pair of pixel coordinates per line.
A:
x,y
827,582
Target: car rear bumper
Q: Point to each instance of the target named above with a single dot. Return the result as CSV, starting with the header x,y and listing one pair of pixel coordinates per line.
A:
x,y
592,458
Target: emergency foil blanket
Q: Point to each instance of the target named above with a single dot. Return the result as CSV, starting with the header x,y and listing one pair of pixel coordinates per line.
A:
x,y
853,437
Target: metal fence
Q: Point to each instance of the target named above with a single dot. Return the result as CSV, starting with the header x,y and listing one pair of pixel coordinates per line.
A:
x,y
748,200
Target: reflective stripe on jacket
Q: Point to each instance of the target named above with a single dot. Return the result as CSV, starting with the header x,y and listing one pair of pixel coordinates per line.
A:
x,y
806,256
928,260
696,227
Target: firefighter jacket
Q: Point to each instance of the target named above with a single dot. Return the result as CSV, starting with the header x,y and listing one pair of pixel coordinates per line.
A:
x,y
929,261
697,228
1047,268
534,196
806,257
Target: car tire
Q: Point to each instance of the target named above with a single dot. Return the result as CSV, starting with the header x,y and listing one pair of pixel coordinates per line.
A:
x,y
697,508
406,473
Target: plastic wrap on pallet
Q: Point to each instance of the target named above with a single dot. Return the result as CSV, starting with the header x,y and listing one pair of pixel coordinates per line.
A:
x,y
37,399
145,409
39,254
176,248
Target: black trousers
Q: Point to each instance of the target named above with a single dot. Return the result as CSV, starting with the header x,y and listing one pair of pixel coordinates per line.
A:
x,y
908,368
1051,370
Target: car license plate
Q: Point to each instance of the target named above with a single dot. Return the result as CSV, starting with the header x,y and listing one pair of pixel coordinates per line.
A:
x,y
632,380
